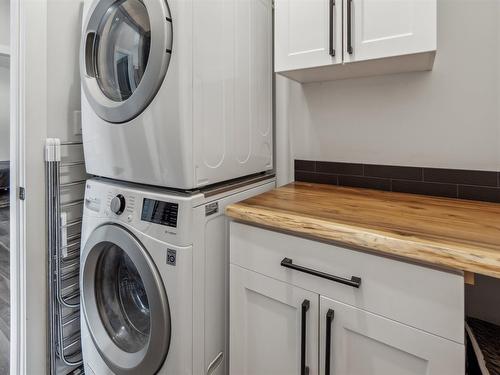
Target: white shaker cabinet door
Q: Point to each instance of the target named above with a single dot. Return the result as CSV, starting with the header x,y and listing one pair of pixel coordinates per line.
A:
x,y
363,343
266,320
308,33
383,28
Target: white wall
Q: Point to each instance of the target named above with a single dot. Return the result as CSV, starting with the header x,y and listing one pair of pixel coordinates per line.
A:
x,y
4,22
4,113
63,91
4,82
63,69
483,299
449,117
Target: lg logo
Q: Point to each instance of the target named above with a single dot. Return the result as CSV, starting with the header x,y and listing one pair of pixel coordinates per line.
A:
x,y
171,256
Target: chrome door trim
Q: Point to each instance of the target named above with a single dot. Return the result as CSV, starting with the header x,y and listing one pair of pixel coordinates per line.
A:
x,y
159,59
149,359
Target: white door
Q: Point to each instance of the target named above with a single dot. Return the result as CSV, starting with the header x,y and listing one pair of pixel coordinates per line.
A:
x,y
363,343
273,326
382,28
308,33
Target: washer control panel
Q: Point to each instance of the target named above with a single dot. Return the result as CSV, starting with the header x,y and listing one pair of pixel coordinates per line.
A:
x,y
160,212
118,204
152,212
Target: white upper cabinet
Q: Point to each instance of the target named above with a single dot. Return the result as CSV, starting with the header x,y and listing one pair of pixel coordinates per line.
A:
x,y
385,28
308,33
370,37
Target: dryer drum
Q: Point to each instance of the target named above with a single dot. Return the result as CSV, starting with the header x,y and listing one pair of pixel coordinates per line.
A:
x,y
122,299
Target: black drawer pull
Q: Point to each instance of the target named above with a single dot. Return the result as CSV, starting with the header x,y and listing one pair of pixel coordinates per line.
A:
x,y
329,320
304,369
355,282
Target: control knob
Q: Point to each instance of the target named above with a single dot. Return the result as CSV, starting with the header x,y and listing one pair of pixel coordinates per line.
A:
x,y
117,205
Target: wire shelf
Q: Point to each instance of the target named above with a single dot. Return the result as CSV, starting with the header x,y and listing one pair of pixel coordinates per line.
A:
x,y
64,265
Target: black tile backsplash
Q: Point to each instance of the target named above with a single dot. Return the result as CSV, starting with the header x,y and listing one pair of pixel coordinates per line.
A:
x,y
319,178
461,177
389,171
450,183
425,188
307,177
479,193
339,168
365,182
305,165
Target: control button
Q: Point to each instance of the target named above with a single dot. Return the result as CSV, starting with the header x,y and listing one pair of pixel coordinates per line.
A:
x,y
129,218
117,204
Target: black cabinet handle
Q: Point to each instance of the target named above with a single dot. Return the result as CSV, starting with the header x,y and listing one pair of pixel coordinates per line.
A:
x,y
332,50
349,26
354,281
304,370
329,320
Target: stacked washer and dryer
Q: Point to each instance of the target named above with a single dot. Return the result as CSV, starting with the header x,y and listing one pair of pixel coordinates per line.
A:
x,y
177,124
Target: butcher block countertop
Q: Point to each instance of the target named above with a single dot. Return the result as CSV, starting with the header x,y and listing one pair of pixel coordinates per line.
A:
x,y
451,233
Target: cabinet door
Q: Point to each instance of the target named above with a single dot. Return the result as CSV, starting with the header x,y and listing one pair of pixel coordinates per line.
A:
x,y
308,33
383,28
267,318
363,343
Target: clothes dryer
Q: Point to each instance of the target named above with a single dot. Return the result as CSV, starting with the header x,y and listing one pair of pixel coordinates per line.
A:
x,y
177,93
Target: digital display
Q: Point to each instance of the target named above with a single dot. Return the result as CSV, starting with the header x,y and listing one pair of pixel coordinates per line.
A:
x,y
158,212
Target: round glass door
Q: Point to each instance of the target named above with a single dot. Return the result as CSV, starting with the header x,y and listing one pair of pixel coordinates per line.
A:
x,y
124,302
124,36
122,299
126,50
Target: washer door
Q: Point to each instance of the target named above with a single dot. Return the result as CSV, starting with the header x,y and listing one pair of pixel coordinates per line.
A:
x,y
125,54
124,302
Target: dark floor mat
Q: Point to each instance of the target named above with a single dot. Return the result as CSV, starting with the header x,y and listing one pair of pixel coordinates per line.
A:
x,y
486,339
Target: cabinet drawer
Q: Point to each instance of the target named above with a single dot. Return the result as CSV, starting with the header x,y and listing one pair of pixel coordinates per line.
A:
x,y
425,298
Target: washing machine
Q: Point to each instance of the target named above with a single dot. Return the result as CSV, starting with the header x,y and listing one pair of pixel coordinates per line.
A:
x,y
154,277
177,93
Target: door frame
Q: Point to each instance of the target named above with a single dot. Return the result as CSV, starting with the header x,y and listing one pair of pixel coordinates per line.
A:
x,y
16,215
28,128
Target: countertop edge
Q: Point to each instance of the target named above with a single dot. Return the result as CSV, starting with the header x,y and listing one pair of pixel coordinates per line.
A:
x,y
452,256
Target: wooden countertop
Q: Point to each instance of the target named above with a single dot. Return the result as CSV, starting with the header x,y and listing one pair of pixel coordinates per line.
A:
x,y
457,234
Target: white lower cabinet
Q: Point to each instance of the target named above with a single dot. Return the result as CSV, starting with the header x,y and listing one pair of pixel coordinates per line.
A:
x,y
272,325
303,307
361,343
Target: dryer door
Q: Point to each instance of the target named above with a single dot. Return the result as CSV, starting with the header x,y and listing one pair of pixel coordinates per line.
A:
x,y
124,302
125,53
